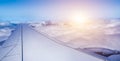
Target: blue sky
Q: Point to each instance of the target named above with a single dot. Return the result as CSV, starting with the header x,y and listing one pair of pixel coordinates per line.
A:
x,y
34,10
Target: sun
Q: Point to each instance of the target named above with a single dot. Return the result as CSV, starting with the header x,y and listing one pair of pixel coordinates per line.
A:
x,y
79,19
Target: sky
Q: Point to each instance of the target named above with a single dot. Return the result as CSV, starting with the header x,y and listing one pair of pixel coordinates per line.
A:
x,y
37,10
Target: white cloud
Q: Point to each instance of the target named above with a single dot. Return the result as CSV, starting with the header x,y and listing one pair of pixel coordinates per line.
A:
x,y
5,32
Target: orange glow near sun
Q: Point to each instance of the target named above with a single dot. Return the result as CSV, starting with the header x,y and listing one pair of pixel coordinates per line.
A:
x,y
79,19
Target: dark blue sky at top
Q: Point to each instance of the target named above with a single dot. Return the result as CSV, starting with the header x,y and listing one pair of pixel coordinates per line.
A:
x,y
29,10
44,2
